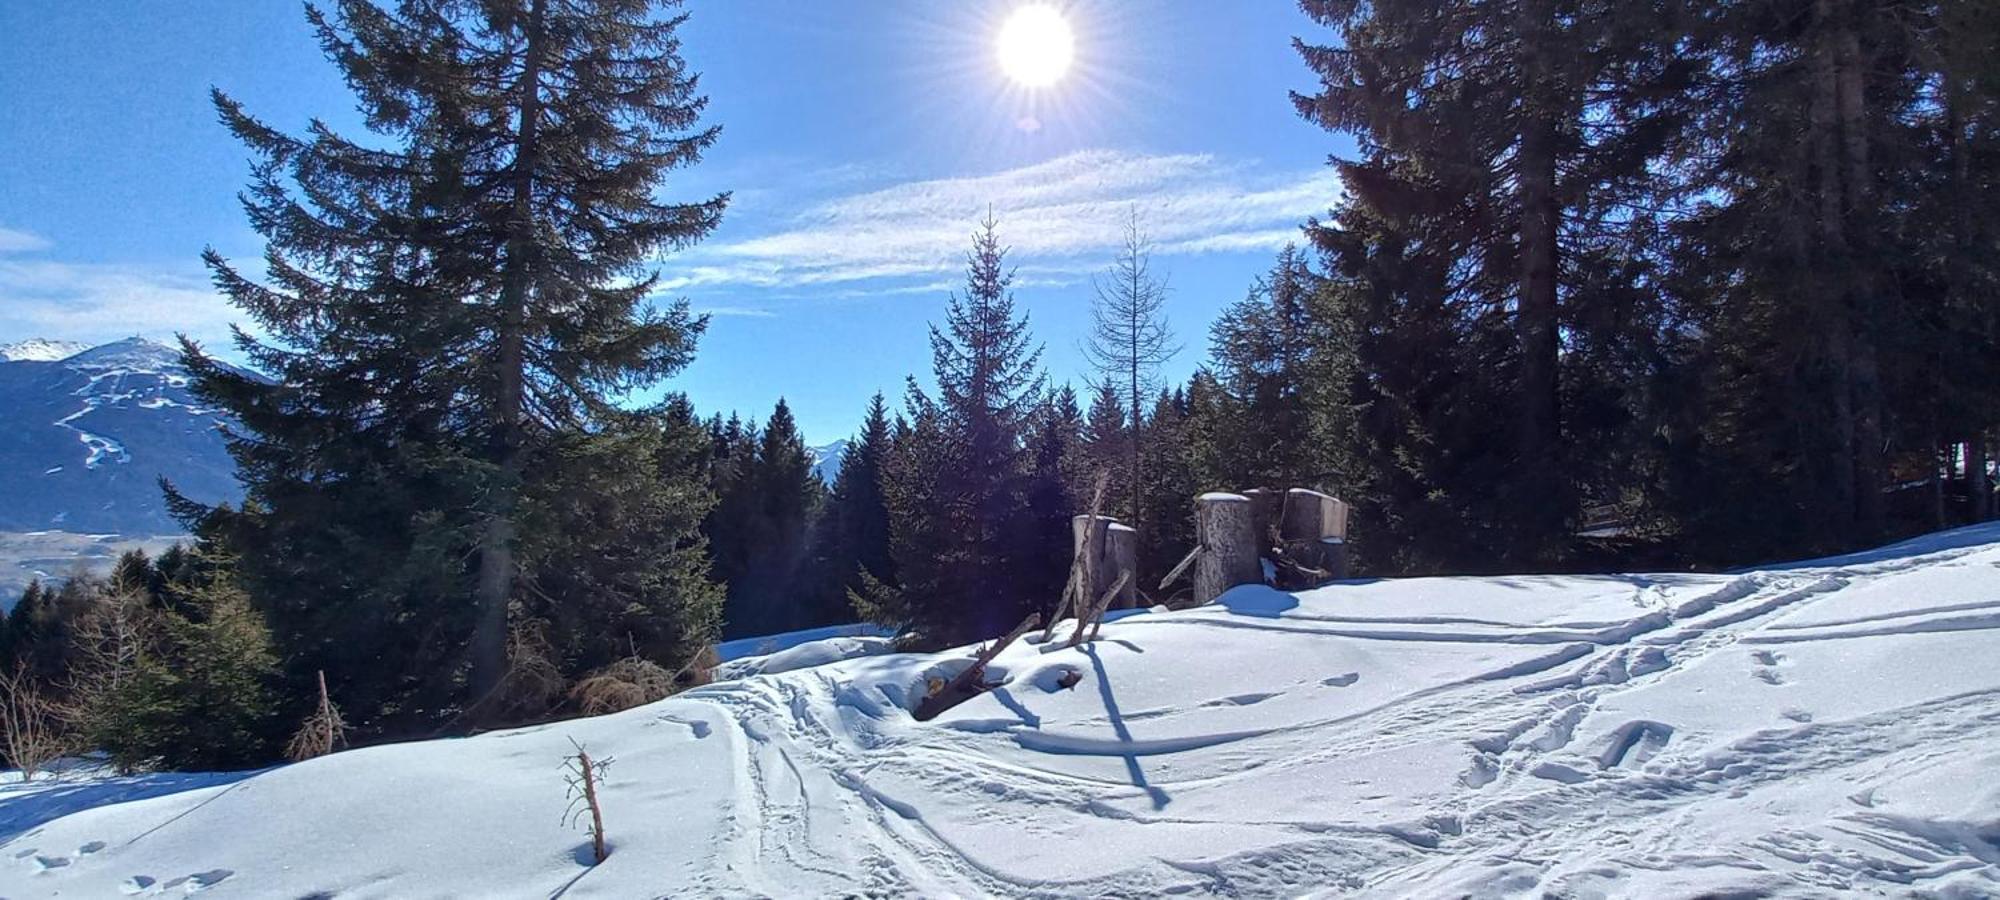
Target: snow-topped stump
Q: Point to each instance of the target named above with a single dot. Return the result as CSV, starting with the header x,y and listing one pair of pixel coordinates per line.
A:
x,y
1226,536
1118,553
1294,539
1313,534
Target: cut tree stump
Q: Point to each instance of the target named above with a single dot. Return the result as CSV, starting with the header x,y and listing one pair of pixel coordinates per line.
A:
x,y
1267,511
1087,550
1314,533
1227,535
1118,552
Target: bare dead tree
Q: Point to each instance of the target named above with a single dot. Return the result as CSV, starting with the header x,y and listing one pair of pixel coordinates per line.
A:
x,y
33,728
583,775
107,641
1129,339
320,732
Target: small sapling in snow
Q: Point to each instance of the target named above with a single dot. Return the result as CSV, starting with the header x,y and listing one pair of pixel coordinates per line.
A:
x,y
583,775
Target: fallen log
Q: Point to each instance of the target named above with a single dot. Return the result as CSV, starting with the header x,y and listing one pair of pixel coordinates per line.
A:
x,y
971,682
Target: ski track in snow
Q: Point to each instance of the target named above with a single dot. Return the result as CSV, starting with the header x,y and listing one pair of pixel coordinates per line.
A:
x,y
1702,743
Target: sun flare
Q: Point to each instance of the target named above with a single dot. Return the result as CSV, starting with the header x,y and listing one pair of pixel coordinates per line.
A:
x,y
1036,45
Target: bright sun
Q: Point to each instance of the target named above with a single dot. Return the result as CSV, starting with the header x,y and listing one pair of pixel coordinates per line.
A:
x,y
1035,46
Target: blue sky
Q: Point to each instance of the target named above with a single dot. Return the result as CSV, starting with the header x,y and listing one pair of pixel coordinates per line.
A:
x,y
862,141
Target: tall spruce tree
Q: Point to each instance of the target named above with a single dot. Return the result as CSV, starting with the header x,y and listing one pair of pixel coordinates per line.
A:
x,y
775,495
1799,265
1265,353
1500,148
853,535
450,304
959,493
1167,489
1052,500
1103,450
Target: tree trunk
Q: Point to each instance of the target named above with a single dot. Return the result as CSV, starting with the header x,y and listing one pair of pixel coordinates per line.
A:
x,y
1535,310
1134,426
1976,486
1315,532
1979,498
1229,541
1831,263
1870,464
496,552
1940,478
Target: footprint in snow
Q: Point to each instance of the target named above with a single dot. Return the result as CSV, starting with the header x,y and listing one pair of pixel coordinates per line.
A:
x,y
46,863
1342,680
1767,662
697,727
137,884
1242,699
198,881
90,848
1796,714
1559,772
1481,773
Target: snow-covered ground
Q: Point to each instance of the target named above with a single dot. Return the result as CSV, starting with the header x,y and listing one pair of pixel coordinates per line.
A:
x,y
1807,730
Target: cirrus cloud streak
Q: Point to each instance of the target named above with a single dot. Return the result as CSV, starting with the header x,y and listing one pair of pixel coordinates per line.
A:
x,y
1052,212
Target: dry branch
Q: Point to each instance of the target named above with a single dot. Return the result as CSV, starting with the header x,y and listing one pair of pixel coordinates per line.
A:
x,y
1096,618
622,685
1181,567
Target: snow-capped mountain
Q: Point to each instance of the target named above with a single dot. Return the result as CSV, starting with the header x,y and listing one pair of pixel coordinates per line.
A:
x,y
40,350
826,459
90,433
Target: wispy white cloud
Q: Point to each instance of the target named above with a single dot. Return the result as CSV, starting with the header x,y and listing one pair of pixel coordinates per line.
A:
x,y
1055,214
16,241
745,312
95,302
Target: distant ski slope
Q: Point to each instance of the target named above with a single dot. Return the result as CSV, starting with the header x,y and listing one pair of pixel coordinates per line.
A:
x,y
1810,730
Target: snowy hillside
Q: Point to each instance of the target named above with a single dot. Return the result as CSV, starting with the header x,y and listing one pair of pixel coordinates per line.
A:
x,y
1807,730
90,432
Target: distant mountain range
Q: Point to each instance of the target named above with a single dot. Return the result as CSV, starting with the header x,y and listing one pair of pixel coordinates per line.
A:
x,y
826,459
91,430
41,350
